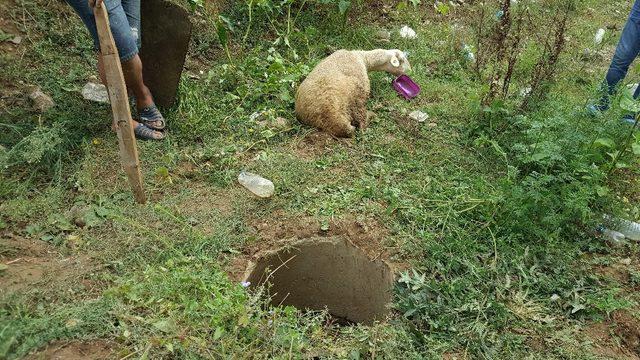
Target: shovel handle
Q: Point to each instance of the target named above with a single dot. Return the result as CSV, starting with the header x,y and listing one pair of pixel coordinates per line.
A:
x,y
119,103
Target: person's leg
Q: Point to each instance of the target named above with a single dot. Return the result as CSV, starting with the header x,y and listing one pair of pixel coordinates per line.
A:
x,y
127,49
627,50
148,112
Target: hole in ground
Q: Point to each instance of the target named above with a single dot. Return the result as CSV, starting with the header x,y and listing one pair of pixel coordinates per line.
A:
x,y
326,273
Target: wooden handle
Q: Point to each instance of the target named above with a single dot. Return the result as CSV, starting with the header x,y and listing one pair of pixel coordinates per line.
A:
x,y
119,103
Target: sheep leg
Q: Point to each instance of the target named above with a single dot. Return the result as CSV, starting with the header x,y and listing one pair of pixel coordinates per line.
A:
x,y
359,116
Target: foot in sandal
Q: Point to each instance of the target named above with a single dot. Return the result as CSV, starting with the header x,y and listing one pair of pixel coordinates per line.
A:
x,y
143,132
151,117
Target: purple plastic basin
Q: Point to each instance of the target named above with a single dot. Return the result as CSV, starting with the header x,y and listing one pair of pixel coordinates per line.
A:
x,y
406,87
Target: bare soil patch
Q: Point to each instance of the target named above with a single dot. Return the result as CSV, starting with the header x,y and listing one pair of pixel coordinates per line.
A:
x,y
618,338
75,350
279,230
628,329
617,272
313,145
36,264
367,234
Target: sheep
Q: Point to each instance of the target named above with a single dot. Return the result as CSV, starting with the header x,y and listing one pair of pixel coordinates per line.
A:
x,y
333,97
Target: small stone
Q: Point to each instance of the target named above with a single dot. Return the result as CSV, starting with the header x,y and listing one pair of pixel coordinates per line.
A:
x,y
626,261
383,36
278,123
17,40
41,101
95,92
554,297
71,323
77,215
281,123
432,125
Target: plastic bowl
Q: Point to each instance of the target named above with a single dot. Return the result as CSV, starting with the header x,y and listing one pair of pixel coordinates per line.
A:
x,y
406,87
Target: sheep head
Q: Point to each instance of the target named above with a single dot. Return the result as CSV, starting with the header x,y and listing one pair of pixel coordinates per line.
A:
x,y
393,61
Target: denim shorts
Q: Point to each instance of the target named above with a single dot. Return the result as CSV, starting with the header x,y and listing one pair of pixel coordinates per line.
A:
x,y
124,18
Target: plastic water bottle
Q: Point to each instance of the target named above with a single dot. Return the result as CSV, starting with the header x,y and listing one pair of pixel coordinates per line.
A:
x,y
258,185
612,237
630,229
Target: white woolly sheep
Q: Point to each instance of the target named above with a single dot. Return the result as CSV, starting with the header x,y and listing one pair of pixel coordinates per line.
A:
x,y
333,97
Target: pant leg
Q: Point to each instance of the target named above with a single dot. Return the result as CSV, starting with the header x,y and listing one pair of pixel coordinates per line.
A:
x,y
132,10
120,29
626,51
82,8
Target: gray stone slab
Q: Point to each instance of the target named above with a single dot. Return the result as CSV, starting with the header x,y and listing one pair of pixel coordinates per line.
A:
x,y
166,30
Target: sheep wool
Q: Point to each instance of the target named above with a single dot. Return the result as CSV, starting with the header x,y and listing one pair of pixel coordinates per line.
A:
x,y
333,97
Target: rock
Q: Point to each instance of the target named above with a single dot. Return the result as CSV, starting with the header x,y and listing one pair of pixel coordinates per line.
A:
x,y
432,125
41,101
383,36
419,116
626,261
77,215
278,123
17,40
167,30
95,92
281,123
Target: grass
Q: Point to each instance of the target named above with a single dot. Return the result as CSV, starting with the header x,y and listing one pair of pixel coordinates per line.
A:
x,y
498,236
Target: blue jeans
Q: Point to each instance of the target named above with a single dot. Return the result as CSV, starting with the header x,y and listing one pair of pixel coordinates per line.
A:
x,y
124,18
627,50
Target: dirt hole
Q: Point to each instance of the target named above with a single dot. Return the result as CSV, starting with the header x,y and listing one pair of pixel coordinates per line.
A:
x,y
326,273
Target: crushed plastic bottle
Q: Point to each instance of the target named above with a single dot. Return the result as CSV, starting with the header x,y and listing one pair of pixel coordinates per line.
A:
x,y
258,185
630,229
407,33
468,54
599,36
419,116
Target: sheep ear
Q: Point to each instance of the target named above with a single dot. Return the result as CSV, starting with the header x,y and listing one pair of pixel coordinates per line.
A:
x,y
395,61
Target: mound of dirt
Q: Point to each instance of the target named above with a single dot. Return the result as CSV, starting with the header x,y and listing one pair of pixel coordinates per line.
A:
x,y
326,273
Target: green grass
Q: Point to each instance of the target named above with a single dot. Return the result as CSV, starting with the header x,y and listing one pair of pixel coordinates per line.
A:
x,y
495,224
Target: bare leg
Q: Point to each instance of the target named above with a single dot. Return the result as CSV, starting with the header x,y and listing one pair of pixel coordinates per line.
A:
x,y
132,71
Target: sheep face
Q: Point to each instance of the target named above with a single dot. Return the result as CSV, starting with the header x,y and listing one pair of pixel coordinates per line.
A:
x,y
396,63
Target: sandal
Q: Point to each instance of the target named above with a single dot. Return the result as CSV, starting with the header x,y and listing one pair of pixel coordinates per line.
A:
x,y
145,133
152,118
